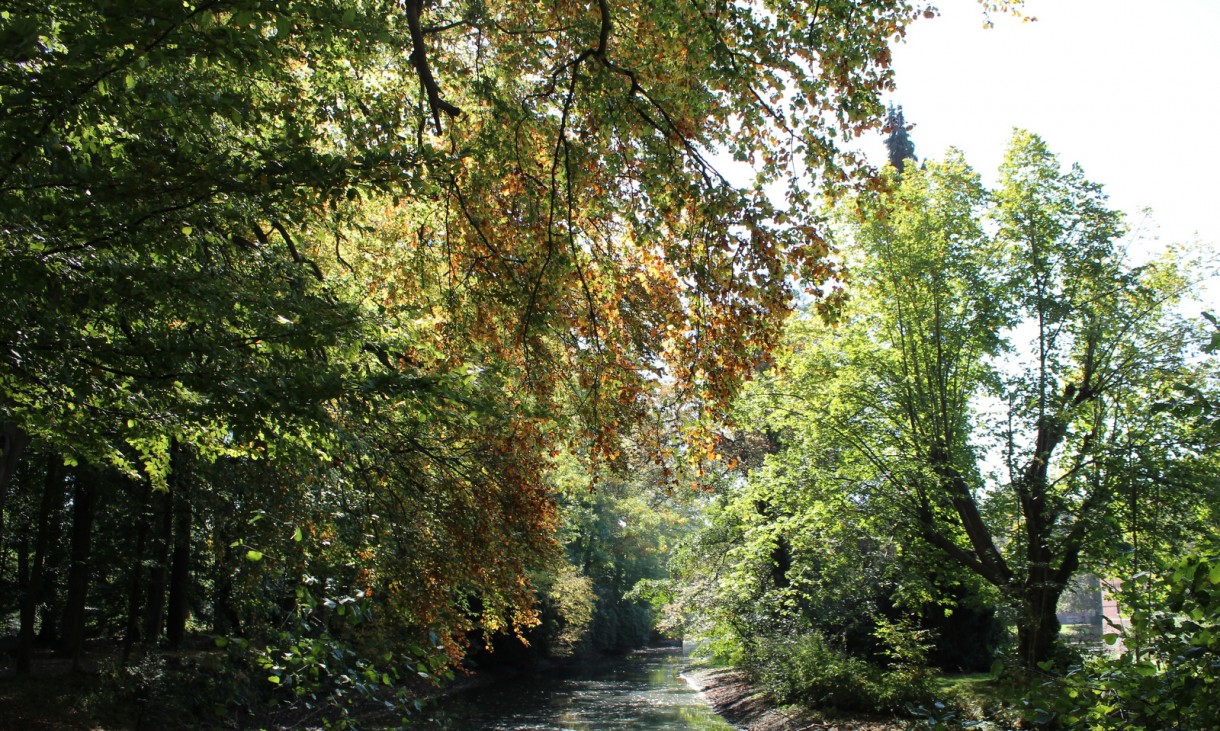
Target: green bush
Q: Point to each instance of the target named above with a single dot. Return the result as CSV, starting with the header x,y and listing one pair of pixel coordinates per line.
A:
x,y
157,690
1168,676
809,670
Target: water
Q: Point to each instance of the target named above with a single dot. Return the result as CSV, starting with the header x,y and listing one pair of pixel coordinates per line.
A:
x,y
641,692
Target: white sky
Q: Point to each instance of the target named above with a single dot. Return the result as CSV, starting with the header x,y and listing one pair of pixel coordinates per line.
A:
x,y
1130,89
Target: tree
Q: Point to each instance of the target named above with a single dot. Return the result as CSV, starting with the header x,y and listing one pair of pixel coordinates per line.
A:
x,y
368,264
1041,334
898,140
163,165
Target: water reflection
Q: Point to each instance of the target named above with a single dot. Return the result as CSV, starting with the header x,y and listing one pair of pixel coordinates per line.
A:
x,y
641,692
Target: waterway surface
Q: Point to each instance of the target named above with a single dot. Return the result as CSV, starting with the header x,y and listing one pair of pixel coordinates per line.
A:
x,y
641,692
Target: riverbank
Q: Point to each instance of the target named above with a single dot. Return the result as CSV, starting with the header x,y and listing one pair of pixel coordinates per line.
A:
x,y
729,692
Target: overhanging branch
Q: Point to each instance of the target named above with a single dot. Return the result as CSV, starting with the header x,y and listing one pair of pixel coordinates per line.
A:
x,y
419,59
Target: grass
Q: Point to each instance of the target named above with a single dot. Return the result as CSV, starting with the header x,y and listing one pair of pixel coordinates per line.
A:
x,y
978,697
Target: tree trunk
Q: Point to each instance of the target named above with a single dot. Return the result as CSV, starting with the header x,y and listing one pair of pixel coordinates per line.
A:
x,y
180,569
1038,623
27,608
135,582
52,495
225,619
154,610
13,441
83,498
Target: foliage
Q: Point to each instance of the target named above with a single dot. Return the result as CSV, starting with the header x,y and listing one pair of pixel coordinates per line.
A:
x,y
319,655
318,289
898,143
1166,675
186,186
158,691
572,601
922,424
915,460
619,534
804,667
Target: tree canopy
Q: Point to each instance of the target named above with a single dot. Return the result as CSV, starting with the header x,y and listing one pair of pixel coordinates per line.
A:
x,y
311,293
190,192
986,412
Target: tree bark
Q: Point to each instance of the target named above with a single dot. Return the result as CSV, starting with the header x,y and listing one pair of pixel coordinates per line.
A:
x,y
27,607
180,569
84,497
154,609
52,495
225,619
1038,624
13,441
135,585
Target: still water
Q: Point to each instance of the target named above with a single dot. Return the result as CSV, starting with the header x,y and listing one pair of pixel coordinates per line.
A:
x,y
642,692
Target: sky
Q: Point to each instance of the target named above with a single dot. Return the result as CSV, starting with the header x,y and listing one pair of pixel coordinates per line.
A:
x,y
1130,89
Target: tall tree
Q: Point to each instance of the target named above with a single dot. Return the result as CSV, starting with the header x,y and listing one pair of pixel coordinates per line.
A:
x,y
382,257
898,140
51,497
174,178
85,493
1042,334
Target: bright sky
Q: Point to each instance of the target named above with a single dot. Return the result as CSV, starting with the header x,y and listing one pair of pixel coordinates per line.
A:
x,y
1130,89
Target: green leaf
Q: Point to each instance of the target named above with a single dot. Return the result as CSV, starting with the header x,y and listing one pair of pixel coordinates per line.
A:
x,y
253,555
273,679
297,535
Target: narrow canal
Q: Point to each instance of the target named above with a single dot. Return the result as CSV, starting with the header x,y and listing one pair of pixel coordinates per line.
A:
x,y
642,692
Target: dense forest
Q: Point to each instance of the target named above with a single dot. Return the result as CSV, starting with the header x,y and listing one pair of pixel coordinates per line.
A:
x,y
348,347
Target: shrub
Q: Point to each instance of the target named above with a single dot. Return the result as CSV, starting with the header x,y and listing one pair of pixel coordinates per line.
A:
x,y
170,691
809,670
1168,676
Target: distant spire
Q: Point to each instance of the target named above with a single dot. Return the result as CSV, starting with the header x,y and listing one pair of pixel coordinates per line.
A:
x,y
897,141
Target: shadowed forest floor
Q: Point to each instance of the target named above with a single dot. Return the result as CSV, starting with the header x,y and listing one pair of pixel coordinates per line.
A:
x,y
51,697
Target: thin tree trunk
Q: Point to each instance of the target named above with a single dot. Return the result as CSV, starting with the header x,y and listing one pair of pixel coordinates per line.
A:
x,y
52,495
154,609
180,569
13,441
135,585
83,498
225,619
27,607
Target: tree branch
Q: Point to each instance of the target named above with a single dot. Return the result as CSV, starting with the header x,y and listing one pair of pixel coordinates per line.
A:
x,y
419,59
296,255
